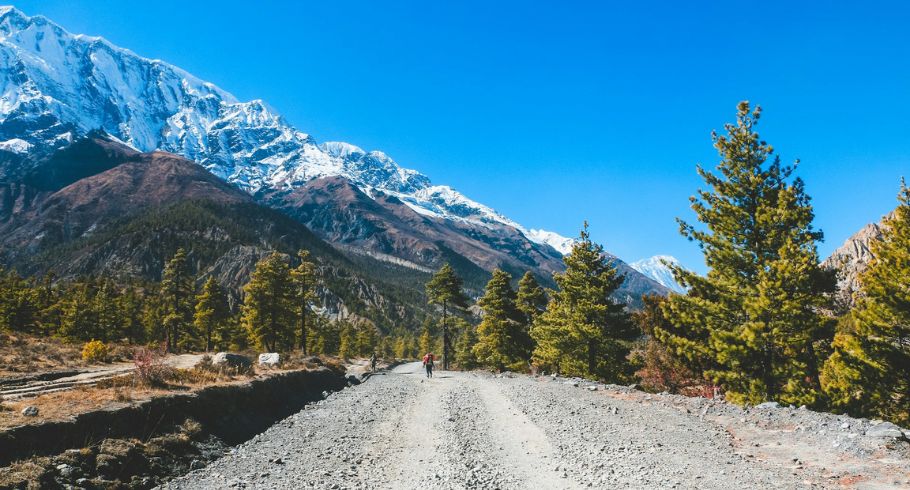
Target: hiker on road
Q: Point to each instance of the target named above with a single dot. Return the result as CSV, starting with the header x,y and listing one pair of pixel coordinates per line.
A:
x,y
428,364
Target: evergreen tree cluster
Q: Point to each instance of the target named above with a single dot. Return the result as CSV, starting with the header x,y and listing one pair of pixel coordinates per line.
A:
x,y
276,312
761,325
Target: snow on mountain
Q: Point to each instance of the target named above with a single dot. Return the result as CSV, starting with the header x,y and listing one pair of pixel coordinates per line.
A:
x,y
656,268
562,244
56,86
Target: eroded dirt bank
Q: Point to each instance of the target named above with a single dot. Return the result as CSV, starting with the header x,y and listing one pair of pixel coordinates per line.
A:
x,y
143,444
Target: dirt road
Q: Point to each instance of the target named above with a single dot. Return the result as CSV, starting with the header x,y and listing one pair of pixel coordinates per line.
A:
x,y
475,430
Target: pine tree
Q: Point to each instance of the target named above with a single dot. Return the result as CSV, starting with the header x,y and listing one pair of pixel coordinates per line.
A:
x,y
444,289
464,347
531,299
758,305
366,339
129,305
108,321
211,313
305,281
501,334
79,321
427,341
584,331
177,290
659,368
869,372
348,345
18,303
269,298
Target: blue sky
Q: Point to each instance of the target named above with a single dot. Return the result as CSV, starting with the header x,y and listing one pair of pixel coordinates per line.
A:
x,y
557,112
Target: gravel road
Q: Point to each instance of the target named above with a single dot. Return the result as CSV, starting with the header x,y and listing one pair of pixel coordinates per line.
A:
x,y
476,430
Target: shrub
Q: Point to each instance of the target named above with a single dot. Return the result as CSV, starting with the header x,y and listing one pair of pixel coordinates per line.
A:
x,y
94,351
150,367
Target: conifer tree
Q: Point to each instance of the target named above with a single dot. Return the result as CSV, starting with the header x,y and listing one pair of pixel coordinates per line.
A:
x,y
869,372
268,310
531,299
584,331
755,314
305,282
108,321
130,307
348,345
464,348
18,303
367,339
212,312
177,291
444,289
427,341
501,335
78,320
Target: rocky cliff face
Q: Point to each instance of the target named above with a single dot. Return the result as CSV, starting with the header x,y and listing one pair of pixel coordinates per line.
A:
x,y
851,259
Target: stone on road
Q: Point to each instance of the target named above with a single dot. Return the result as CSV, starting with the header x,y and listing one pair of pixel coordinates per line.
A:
x,y
474,430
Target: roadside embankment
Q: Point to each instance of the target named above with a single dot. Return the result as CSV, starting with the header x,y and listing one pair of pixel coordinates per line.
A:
x,y
146,442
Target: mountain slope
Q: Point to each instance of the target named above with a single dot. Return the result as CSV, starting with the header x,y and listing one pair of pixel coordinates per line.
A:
x,y
57,87
126,221
655,268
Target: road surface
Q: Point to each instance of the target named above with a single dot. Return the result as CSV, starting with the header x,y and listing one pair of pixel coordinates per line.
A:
x,y
475,430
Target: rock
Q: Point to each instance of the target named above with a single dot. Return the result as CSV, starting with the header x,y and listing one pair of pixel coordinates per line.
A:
x,y
768,405
592,388
885,429
30,411
270,359
235,361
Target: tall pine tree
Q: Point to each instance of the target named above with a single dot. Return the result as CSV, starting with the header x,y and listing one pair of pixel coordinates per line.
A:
x,y
758,305
177,292
500,336
584,331
444,289
269,303
869,372
305,282
212,313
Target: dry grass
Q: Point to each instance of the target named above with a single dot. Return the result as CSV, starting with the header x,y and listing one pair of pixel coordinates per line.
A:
x,y
30,474
22,353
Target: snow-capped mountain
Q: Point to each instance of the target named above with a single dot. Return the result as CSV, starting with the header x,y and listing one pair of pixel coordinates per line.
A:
x,y
56,86
656,268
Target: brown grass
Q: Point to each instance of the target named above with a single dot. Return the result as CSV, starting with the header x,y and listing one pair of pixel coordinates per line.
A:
x,y
30,474
22,353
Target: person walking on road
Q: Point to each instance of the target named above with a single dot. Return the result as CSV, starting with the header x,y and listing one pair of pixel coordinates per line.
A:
x,y
373,363
428,364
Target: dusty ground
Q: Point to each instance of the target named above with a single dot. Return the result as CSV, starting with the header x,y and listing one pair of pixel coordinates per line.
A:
x,y
474,430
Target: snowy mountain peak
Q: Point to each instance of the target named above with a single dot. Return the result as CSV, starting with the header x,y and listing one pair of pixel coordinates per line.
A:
x,y
657,268
57,86
562,244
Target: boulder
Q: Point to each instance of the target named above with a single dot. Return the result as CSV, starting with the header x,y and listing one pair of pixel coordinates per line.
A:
x,y
768,405
30,411
270,359
885,429
229,360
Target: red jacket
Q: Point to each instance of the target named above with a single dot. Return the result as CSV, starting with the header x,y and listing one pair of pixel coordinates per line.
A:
x,y
427,359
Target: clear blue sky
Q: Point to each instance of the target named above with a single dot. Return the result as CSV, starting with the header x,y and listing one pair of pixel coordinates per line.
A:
x,y
556,112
